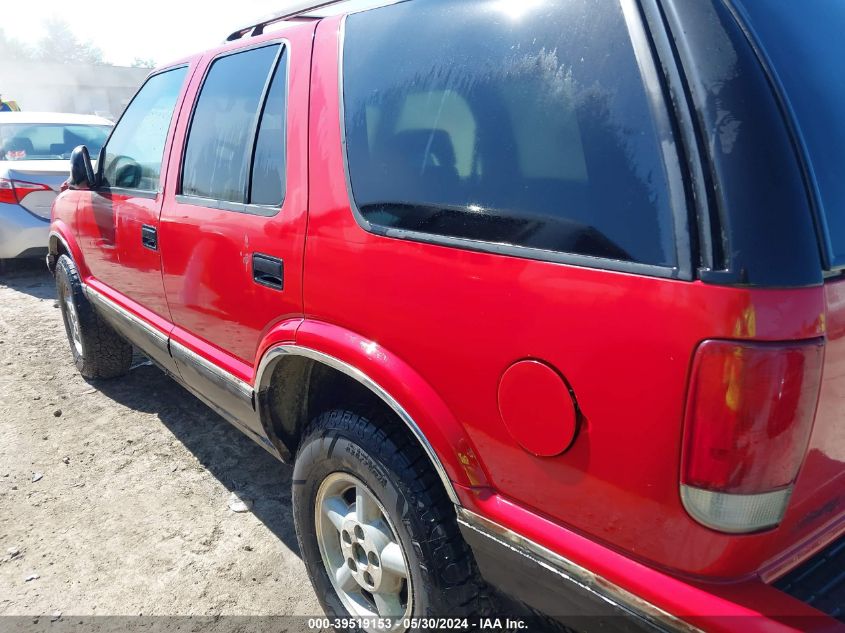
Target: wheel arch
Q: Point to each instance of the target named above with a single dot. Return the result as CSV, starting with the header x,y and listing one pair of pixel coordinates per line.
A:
x,y
327,366
61,242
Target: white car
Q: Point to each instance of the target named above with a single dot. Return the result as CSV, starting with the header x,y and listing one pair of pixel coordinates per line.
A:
x,y
34,152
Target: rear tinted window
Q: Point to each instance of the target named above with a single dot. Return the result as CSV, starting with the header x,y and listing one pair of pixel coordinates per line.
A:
x,y
805,42
498,124
218,154
31,141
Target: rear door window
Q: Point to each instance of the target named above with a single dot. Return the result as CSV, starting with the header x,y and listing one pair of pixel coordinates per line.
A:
x,y
506,123
236,143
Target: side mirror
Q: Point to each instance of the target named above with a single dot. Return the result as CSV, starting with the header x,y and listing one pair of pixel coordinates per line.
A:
x,y
81,170
128,175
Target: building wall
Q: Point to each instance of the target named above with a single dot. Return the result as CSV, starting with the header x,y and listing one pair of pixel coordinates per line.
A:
x,y
82,89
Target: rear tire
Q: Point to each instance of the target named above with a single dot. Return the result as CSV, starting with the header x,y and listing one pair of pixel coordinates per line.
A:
x,y
98,351
404,542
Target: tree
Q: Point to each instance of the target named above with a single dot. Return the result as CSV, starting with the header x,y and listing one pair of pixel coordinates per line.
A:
x,y
140,62
62,46
12,49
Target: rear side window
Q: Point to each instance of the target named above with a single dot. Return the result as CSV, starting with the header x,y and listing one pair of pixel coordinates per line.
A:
x,y
239,116
136,147
805,44
36,141
500,124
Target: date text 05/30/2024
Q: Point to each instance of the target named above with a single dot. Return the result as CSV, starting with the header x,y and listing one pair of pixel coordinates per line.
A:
x,y
434,624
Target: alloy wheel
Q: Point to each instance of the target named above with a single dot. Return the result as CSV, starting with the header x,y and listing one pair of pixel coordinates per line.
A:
x,y
361,552
73,323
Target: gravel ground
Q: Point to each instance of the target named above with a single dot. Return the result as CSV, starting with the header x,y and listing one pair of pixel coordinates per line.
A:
x,y
114,496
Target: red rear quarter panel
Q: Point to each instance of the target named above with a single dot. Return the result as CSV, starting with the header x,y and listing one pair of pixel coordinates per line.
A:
x,y
817,511
623,342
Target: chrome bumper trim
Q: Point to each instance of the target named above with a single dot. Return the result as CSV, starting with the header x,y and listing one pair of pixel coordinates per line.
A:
x,y
572,573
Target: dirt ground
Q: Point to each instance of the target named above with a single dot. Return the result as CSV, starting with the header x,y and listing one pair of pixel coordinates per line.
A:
x,y
130,514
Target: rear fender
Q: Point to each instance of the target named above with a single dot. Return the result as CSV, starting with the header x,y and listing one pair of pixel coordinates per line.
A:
x,y
412,399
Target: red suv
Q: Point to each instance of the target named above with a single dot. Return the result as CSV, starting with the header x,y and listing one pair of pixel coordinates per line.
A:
x,y
545,297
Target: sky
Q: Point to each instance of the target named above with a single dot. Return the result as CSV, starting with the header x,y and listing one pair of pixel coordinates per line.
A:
x,y
162,30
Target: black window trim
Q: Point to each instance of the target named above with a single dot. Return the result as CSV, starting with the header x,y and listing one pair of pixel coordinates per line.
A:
x,y
706,249
240,207
659,103
142,193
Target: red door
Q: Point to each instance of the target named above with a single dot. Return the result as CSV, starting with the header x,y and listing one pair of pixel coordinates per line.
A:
x,y
233,223
117,224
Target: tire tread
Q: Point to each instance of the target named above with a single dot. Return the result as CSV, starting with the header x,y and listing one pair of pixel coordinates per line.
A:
x,y
454,570
108,355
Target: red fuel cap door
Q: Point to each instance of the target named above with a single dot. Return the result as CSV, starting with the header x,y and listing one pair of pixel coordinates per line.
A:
x,y
537,408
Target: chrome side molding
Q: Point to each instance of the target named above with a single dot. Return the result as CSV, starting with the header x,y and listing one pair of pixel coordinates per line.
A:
x,y
136,327
221,376
106,304
575,577
151,340
223,392
163,342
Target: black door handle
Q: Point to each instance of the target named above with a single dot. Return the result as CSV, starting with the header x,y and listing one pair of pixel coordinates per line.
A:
x,y
149,237
268,271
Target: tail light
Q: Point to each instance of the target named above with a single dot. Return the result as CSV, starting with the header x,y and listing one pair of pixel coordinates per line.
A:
x,y
7,192
749,415
14,191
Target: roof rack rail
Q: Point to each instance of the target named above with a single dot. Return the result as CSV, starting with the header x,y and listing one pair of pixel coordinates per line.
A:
x,y
291,9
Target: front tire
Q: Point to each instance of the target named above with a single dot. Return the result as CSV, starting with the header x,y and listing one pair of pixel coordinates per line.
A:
x,y
98,351
377,532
